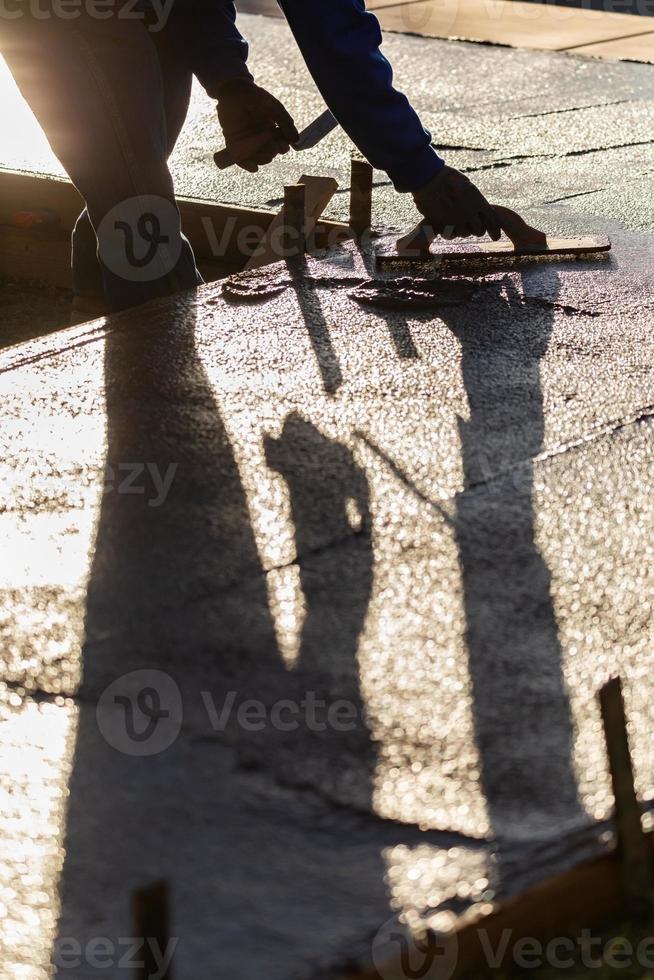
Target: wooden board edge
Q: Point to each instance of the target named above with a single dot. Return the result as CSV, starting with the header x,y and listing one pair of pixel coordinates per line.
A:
x,y
216,231
499,250
319,192
587,896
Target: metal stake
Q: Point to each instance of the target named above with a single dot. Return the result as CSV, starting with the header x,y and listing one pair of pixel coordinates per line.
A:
x,y
150,912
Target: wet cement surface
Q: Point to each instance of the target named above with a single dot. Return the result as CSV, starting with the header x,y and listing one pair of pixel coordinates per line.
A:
x,y
437,520
29,309
418,540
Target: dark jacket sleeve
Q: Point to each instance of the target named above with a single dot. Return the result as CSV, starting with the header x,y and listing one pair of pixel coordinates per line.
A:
x,y
205,34
340,42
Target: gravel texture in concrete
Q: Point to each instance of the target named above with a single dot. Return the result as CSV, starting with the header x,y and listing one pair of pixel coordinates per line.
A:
x,y
27,309
305,603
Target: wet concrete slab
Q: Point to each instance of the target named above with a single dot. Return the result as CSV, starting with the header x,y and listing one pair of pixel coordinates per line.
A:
x,y
433,523
565,112
373,563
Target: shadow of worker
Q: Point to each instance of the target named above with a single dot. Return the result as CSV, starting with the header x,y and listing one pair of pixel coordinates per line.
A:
x,y
520,705
177,607
174,538
521,710
330,508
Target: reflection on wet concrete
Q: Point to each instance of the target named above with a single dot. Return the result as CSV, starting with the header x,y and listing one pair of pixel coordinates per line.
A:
x,y
35,756
183,586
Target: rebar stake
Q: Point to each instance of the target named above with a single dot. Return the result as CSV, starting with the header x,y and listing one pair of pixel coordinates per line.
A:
x,y
633,844
150,914
361,197
294,238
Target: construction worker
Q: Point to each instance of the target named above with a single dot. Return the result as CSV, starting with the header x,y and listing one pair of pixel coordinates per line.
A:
x,y
111,85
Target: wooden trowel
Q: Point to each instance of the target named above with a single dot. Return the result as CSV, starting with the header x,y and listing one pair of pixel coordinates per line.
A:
x,y
524,241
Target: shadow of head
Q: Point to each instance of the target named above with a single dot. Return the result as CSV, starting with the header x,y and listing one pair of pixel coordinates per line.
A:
x,y
328,490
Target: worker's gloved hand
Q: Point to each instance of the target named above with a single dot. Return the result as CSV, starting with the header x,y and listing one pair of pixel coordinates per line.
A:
x,y
454,208
255,124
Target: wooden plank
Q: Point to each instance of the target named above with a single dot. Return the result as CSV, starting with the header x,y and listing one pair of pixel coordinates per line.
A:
x,y
638,48
226,231
295,206
513,22
150,910
319,192
633,847
587,897
33,192
35,256
219,233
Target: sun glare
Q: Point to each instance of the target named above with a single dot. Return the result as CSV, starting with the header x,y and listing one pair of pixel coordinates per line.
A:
x,y
23,145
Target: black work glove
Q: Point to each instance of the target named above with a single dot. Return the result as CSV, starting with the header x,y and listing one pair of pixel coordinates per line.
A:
x,y
454,208
255,124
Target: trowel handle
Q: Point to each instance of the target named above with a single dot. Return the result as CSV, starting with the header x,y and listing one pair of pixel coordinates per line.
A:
x,y
245,148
